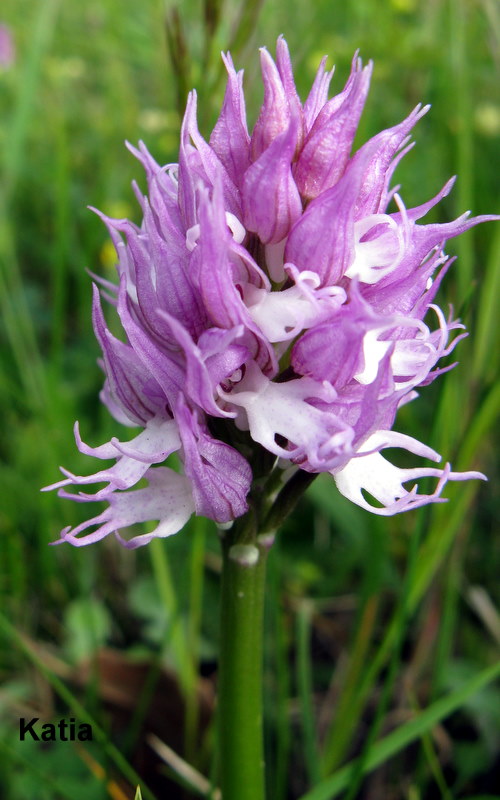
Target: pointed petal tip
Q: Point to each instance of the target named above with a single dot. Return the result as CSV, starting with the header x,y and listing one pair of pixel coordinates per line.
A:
x,y
63,537
468,476
266,59
227,60
58,484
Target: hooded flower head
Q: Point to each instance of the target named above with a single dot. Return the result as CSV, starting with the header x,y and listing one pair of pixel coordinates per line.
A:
x,y
273,298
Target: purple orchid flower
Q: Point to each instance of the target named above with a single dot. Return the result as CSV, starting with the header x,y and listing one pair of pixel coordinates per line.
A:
x,y
7,47
270,299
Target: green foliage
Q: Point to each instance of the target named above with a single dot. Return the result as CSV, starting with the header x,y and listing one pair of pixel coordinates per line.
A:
x,y
51,773
87,626
373,645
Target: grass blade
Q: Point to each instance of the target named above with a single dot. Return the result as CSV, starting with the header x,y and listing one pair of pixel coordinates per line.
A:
x,y
404,735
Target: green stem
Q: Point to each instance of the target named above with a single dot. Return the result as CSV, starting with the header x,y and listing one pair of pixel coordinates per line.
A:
x,y
241,752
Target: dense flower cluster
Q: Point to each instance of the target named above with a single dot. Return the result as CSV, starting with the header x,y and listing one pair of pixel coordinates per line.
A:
x,y
269,290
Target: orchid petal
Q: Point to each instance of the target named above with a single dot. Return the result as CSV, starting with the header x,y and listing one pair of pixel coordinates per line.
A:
x,y
374,474
168,499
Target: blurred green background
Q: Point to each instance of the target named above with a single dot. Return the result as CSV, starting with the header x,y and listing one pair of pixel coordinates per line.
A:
x,y
369,620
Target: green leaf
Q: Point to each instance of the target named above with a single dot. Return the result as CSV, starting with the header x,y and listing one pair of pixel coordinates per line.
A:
x,y
87,625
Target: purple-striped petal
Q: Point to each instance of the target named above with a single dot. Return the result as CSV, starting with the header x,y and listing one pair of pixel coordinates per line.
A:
x,y
229,138
327,147
219,475
274,117
271,200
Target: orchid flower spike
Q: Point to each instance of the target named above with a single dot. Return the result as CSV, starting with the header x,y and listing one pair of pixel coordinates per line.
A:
x,y
270,300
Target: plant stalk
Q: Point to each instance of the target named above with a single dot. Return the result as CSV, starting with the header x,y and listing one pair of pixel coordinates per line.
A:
x,y
241,750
